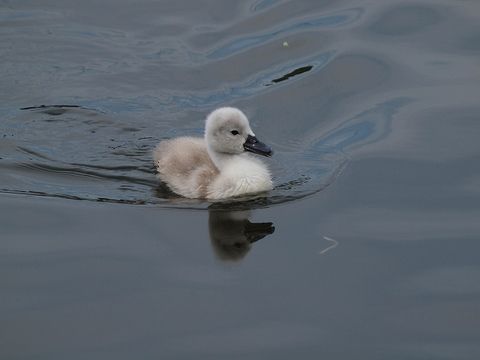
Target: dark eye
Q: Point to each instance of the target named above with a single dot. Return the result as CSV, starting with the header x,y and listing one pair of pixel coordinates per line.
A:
x,y
234,132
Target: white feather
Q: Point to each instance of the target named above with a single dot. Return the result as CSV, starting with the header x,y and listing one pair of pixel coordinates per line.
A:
x,y
215,167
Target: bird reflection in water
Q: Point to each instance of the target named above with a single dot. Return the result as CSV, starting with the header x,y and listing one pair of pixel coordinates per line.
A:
x,y
232,234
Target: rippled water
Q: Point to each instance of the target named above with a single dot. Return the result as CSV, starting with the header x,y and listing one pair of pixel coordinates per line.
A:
x,y
106,157
100,148
73,152
372,109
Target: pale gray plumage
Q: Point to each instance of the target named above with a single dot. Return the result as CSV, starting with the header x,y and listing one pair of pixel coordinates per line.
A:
x,y
216,166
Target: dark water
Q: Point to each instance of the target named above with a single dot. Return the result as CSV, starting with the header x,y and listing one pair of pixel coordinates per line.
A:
x,y
368,246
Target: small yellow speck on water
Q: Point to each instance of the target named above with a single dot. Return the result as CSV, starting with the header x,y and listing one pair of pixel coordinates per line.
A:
x,y
285,44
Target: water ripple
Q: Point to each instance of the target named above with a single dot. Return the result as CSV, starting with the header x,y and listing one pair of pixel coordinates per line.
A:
x,y
322,22
306,168
261,5
254,85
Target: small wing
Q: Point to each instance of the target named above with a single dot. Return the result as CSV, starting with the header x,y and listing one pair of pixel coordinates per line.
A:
x,y
185,166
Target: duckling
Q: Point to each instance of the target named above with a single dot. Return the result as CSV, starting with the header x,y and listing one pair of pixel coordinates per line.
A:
x,y
218,166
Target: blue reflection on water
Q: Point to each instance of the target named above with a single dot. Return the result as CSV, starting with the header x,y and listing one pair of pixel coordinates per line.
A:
x,y
366,127
253,85
263,4
246,42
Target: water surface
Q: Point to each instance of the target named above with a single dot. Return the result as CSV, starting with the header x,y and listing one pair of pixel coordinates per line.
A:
x,y
366,248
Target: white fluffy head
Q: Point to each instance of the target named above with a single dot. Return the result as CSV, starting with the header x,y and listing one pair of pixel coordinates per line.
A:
x,y
226,130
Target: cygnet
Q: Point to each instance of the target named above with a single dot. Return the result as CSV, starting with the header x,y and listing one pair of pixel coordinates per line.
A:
x,y
218,166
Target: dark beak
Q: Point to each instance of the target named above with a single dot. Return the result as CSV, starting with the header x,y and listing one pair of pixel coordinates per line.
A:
x,y
257,231
257,147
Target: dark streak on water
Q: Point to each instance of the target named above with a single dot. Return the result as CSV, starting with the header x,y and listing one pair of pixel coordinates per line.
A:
x,y
293,73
